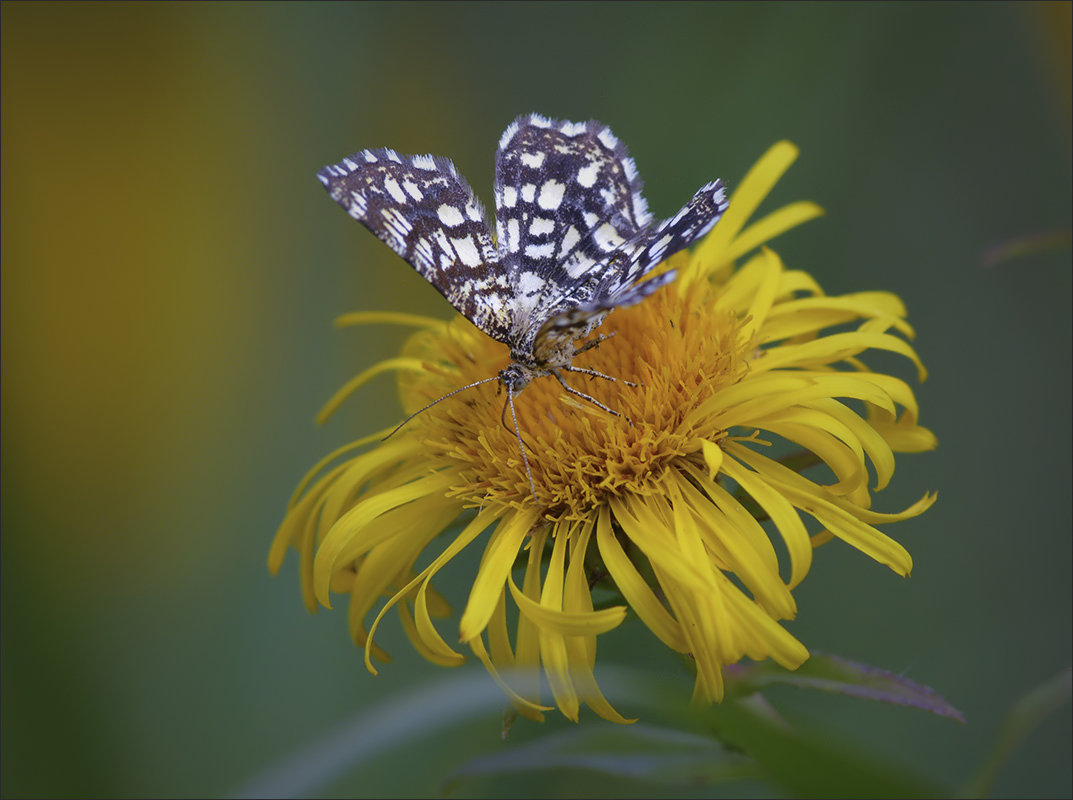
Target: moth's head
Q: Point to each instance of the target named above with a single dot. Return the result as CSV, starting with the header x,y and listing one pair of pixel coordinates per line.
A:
x,y
515,377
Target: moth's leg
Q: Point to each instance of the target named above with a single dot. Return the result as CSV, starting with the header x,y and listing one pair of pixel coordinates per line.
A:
x,y
596,374
595,342
584,396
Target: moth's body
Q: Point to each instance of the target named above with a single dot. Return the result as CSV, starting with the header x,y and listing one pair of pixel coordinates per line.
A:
x,y
524,368
573,237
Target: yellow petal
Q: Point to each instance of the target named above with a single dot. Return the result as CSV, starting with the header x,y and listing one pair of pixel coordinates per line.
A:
x,y
796,280
474,529
788,476
359,380
298,516
847,463
754,187
576,592
896,389
753,403
361,639
741,288
495,566
389,317
907,438
786,520
713,457
527,638
745,545
766,638
656,541
774,224
813,314
707,641
634,587
836,516
703,612
444,655
851,530
390,561
728,399
834,348
425,639
567,623
553,652
368,468
581,650
372,437
525,707
344,541
586,686
770,268
873,443
498,635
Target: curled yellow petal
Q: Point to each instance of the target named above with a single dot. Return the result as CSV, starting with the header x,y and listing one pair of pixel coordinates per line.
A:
x,y
474,529
344,541
782,514
837,347
389,317
634,588
495,567
527,708
430,637
362,378
425,639
568,623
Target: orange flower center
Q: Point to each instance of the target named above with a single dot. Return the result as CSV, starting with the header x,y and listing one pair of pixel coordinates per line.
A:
x,y
675,345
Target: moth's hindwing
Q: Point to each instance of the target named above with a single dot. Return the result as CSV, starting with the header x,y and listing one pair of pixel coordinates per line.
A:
x,y
568,196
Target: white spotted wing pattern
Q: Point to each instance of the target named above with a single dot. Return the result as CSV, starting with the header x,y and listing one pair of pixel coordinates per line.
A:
x,y
426,212
574,236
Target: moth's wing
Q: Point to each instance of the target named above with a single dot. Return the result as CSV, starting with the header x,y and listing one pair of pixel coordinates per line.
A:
x,y
653,246
619,285
567,197
426,212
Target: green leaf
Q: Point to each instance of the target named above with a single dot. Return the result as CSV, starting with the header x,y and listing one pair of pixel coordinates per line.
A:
x,y
396,723
1026,714
828,673
810,765
658,755
1026,246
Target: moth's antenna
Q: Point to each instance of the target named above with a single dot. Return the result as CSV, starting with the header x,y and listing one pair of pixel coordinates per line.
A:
x,y
506,427
521,444
434,402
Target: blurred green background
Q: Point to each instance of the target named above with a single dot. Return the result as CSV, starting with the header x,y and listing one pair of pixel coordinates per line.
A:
x,y
171,267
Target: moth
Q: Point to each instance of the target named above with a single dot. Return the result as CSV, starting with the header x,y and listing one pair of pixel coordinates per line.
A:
x,y
574,239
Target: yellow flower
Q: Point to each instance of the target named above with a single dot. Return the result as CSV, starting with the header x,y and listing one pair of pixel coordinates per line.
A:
x,y
664,504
